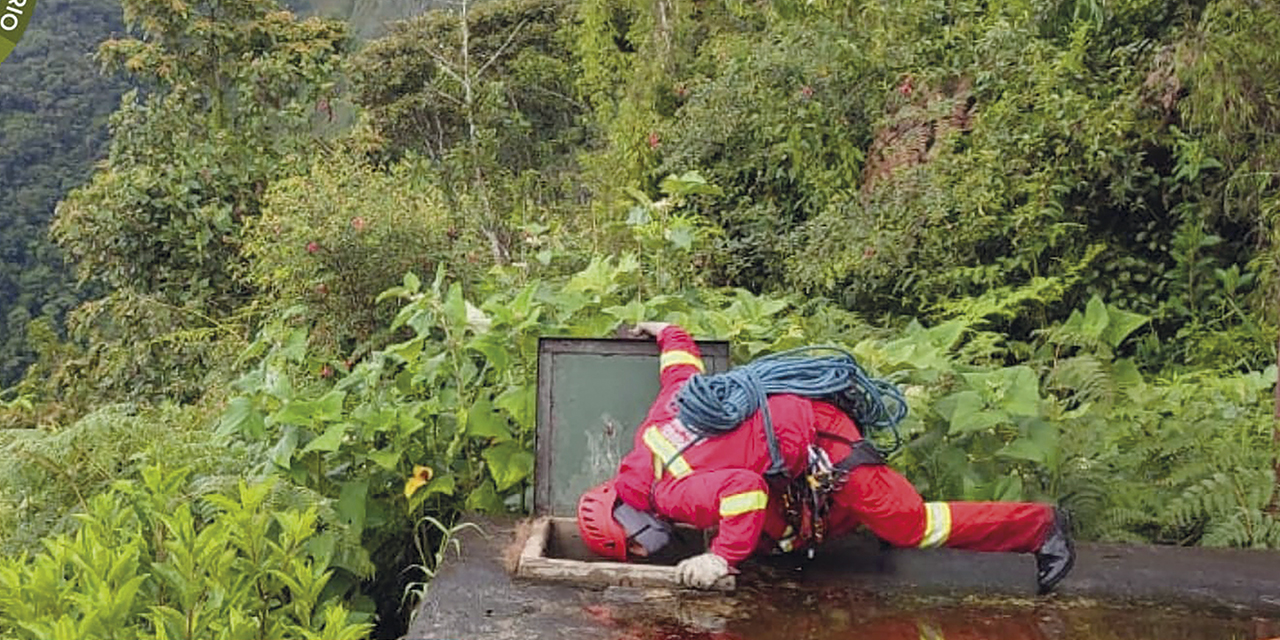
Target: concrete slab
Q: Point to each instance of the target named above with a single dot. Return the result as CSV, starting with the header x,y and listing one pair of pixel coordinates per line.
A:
x,y
1231,593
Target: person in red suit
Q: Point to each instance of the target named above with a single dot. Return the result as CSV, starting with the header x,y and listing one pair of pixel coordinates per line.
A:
x,y
735,484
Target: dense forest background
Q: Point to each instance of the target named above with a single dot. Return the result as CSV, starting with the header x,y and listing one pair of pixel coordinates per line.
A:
x,y
272,285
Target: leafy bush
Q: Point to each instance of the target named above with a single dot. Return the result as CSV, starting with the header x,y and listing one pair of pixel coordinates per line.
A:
x,y
443,421
142,565
47,475
503,68
781,124
337,237
904,158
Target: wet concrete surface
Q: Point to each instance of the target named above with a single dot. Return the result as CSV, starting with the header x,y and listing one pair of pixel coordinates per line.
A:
x,y
838,615
858,589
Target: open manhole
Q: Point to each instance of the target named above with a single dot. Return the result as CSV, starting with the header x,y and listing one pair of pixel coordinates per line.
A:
x,y
554,551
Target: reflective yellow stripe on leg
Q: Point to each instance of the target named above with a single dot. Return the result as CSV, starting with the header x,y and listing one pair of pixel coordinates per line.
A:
x,y
937,525
740,503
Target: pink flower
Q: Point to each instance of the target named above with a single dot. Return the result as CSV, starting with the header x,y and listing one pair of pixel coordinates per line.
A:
x,y
806,91
358,223
326,372
313,246
653,140
905,87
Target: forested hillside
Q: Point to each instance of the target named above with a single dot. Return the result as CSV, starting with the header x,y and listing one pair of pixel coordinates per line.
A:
x,y
54,106
53,115
319,267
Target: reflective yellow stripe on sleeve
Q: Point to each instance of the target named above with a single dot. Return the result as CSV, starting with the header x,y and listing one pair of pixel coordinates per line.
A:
x,y
937,524
740,503
673,358
665,452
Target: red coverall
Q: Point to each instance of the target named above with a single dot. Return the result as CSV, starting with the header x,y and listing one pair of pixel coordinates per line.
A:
x,y
719,482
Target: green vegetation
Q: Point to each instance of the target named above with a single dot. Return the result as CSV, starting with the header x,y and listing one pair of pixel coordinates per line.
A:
x,y
53,111
318,271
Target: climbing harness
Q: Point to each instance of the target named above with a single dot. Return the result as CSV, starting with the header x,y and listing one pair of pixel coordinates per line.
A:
x,y
714,404
807,499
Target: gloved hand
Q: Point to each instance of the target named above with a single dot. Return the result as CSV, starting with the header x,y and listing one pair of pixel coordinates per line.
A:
x,y
649,328
702,571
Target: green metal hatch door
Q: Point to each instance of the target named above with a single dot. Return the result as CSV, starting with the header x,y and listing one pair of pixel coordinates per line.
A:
x,y
592,394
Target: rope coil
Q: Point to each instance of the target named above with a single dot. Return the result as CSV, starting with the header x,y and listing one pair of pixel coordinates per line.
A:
x,y
712,405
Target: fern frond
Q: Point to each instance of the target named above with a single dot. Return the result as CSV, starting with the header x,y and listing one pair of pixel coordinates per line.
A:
x,y
1086,378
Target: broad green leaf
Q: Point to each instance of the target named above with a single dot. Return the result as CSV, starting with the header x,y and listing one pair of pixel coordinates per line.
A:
x,y
681,237
597,277
1095,318
1023,448
483,421
455,307
296,412
242,417
351,504
388,459
1126,373
408,351
493,350
408,420
330,440
947,334
632,312
509,463
444,484
969,414
518,402
1007,489
1022,393
329,407
1047,437
1015,390
281,454
322,546
962,401
485,499
1122,323
688,183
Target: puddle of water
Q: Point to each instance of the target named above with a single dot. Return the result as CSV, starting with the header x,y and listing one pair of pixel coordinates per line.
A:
x,y
837,615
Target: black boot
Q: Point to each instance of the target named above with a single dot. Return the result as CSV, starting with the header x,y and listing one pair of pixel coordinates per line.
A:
x,y
1056,554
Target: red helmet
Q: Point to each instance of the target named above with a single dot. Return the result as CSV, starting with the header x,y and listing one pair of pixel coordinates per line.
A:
x,y
599,529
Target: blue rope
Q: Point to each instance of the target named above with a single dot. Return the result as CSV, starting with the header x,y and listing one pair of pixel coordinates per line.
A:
x,y
715,404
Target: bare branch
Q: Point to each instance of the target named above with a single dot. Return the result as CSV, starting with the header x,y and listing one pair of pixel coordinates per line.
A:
x,y
504,46
444,65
